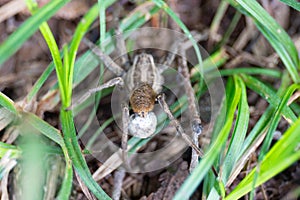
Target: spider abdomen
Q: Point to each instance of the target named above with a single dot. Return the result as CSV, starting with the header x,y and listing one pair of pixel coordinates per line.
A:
x,y
142,99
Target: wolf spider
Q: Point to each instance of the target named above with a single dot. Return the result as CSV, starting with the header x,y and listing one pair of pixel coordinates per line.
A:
x,y
143,82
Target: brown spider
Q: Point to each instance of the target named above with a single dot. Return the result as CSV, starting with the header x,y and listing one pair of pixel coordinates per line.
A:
x,y
143,83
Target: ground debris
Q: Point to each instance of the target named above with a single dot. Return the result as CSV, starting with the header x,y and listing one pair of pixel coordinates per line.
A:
x,y
170,183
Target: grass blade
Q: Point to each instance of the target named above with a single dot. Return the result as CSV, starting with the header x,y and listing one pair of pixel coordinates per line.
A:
x,y
43,127
283,154
65,189
192,182
77,157
7,103
28,28
15,152
51,43
238,135
251,71
268,94
273,32
292,3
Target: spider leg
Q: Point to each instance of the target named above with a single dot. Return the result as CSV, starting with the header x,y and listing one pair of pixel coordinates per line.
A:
x,y
162,102
121,47
120,173
108,62
115,81
192,106
181,44
125,123
171,54
192,103
118,182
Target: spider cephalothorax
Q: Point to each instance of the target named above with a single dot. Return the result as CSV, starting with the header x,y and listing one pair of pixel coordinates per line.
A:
x,y
144,73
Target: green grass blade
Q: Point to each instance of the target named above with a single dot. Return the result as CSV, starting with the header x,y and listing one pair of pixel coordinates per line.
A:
x,y
284,153
264,121
7,103
39,83
28,28
65,77
192,182
268,94
43,127
283,52
292,3
238,135
102,23
80,31
275,120
273,32
65,190
15,152
268,139
76,156
51,43
251,71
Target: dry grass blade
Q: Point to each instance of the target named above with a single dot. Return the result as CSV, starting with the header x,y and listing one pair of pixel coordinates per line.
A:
x,y
244,158
6,164
11,8
108,167
84,188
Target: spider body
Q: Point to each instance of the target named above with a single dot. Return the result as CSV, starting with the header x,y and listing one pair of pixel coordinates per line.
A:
x,y
143,81
143,84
